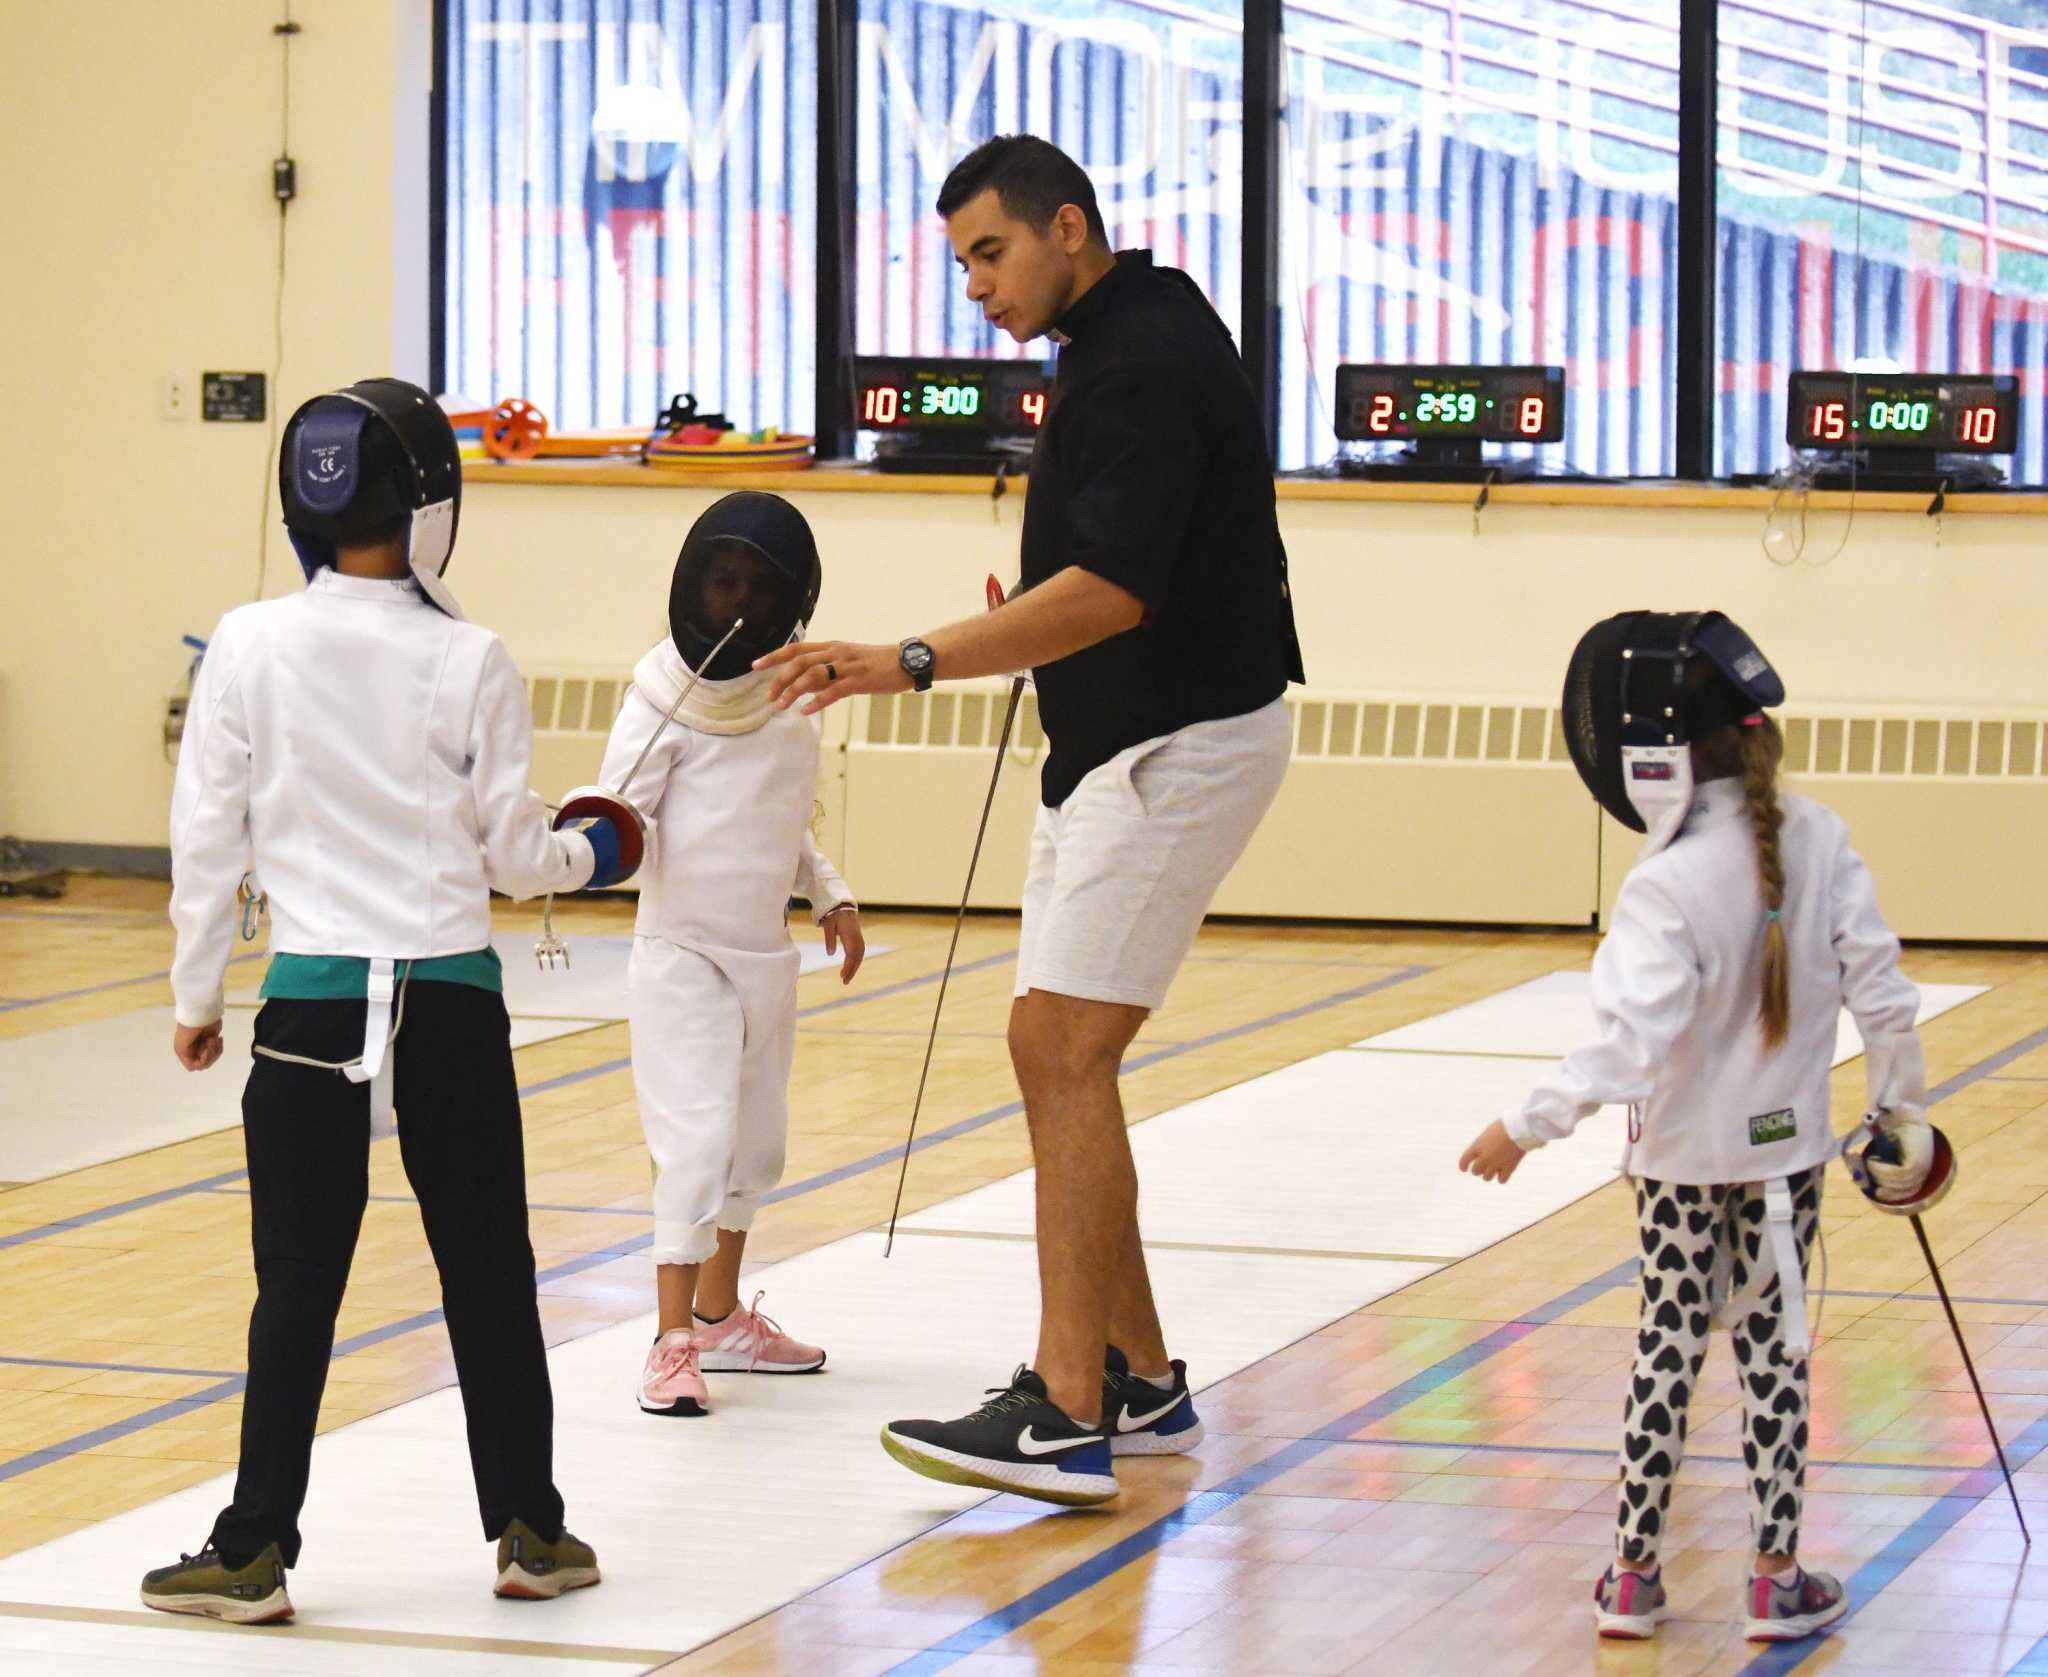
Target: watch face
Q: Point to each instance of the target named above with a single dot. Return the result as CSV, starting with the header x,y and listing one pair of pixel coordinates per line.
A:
x,y
917,657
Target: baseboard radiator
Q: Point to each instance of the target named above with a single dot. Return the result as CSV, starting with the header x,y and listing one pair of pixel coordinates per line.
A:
x,y
1404,807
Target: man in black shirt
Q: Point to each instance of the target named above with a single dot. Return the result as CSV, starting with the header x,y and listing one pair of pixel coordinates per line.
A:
x,y
1155,616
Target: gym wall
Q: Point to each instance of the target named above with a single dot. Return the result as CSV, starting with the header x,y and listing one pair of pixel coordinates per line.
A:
x,y
143,243
1430,779
147,245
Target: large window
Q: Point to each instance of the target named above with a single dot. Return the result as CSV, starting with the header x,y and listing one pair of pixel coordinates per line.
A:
x,y
1489,183
1148,97
631,190
631,207
1883,196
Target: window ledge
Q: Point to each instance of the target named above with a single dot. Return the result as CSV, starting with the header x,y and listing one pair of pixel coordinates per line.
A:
x,y
845,477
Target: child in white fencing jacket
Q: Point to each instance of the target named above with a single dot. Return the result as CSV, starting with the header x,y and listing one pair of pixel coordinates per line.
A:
x,y
728,789
1744,928
366,752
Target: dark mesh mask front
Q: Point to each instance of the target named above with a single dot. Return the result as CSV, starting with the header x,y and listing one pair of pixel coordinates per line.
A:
x,y
731,579
769,538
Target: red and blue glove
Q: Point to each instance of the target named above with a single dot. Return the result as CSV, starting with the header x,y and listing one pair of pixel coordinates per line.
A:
x,y
616,830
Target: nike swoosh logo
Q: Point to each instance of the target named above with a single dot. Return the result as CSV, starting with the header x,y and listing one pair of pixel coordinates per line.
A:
x,y
1032,1445
1131,1423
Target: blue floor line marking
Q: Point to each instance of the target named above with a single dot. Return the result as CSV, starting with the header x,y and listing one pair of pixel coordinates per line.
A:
x,y
119,1368
1986,1068
1206,1505
69,1447
531,1205
111,984
897,989
625,1063
1930,1298
1870,1578
85,1219
1972,1471
115,1430
1010,1109
235,1385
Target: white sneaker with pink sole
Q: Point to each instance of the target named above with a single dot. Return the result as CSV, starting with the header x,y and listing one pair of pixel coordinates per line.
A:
x,y
747,1342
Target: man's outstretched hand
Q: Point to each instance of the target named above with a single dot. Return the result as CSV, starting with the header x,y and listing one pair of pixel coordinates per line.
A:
x,y
821,673
1056,618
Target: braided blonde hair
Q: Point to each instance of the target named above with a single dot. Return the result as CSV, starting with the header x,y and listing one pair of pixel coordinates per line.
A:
x,y
1763,749
1754,750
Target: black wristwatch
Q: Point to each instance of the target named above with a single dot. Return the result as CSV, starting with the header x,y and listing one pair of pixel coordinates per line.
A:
x,y
916,658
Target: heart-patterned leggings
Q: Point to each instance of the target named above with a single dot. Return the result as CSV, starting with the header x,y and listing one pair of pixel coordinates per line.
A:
x,y
1690,1234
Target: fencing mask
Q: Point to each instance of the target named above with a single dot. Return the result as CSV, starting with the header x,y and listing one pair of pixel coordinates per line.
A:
x,y
751,556
1636,698
375,460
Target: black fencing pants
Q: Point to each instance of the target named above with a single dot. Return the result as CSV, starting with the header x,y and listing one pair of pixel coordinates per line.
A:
x,y
307,1136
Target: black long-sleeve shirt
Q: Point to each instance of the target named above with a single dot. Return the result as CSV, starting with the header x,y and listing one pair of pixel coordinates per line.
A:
x,y
1152,471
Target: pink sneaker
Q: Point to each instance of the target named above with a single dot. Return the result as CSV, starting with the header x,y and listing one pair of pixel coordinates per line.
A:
x,y
1791,1612
671,1383
747,1342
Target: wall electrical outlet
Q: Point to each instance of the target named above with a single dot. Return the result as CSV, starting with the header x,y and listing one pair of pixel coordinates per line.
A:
x,y
174,395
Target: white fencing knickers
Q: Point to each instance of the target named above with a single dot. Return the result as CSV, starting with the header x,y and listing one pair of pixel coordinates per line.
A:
x,y
713,1044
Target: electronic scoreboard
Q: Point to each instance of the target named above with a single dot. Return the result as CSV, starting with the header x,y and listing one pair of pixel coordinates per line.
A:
x,y
950,415
1446,414
1892,427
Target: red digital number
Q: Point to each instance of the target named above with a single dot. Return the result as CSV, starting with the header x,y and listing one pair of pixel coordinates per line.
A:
x,y
1034,407
1980,425
1827,422
1529,416
1381,419
881,405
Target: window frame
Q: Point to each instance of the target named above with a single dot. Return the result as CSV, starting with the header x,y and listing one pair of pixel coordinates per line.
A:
x,y
1695,371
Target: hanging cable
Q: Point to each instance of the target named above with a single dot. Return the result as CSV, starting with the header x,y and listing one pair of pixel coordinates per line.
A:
x,y
1798,477
284,187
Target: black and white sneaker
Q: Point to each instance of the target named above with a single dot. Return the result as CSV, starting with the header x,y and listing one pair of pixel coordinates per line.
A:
x,y
1143,1419
1020,1441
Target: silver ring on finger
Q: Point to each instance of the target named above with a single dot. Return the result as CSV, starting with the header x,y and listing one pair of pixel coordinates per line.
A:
x,y
831,673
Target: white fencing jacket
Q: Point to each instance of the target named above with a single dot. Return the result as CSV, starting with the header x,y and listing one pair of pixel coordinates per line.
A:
x,y
730,830
1676,987
368,756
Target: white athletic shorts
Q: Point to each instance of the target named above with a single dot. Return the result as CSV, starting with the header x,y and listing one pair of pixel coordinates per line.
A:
x,y
1123,871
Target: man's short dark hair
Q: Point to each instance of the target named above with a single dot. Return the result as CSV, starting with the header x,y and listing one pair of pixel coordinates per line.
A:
x,y
1031,178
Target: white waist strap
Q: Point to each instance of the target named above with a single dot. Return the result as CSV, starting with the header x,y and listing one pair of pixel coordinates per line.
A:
x,y
375,1064
375,1067
1785,1255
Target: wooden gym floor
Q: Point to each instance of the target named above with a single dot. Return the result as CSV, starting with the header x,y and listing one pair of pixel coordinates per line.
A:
x,y
1413,1383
